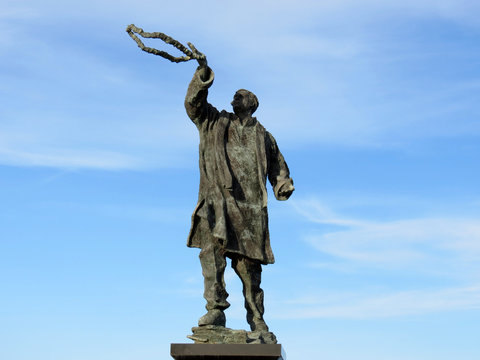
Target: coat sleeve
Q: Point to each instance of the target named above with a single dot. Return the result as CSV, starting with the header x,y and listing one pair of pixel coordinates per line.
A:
x,y
277,169
198,109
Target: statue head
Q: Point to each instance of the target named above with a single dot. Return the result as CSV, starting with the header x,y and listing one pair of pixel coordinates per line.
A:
x,y
244,103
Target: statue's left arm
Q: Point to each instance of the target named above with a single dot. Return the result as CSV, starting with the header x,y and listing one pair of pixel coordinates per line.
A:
x,y
278,173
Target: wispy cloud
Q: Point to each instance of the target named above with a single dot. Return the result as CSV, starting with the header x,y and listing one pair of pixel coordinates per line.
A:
x,y
381,305
65,158
442,254
419,242
320,63
73,109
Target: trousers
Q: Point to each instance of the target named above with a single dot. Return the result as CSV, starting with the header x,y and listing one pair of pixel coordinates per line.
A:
x,y
213,260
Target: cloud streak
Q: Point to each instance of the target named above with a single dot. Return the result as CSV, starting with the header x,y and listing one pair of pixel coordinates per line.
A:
x,y
442,254
386,305
320,63
421,242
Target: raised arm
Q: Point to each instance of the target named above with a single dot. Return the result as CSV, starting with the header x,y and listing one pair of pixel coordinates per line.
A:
x,y
198,109
278,173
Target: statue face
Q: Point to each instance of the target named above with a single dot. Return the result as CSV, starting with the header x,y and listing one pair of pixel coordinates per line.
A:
x,y
241,103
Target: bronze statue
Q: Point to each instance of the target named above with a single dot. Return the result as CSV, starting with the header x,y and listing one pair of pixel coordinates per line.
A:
x,y
236,156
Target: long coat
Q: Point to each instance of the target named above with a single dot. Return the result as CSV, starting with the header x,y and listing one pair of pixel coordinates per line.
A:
x,y
244,233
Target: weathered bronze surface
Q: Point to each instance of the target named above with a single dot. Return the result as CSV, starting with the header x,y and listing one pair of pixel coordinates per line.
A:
x,y
236,157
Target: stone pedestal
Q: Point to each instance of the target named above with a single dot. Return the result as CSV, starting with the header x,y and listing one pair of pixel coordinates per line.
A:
x,y
227,352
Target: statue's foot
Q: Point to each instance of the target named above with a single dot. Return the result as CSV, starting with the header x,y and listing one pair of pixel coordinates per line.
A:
x,y
258,325
213,317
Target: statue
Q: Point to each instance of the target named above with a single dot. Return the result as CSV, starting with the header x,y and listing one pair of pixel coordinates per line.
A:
x,y
236,156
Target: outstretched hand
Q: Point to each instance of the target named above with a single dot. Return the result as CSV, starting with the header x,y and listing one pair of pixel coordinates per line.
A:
x,y
202,62
200,57
204,69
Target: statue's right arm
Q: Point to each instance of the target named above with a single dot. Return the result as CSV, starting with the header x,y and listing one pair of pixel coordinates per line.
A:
x,y
198,109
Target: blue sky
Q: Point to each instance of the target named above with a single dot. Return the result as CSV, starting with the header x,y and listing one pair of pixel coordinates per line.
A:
x,y
374,105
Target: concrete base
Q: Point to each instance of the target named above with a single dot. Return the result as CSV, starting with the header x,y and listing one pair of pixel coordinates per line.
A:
x,y
227,352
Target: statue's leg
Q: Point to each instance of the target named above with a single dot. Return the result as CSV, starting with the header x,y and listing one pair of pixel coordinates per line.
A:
x,y
250,272
213,264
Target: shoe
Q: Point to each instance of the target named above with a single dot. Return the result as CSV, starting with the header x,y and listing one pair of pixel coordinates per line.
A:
x,y
259,325
213,317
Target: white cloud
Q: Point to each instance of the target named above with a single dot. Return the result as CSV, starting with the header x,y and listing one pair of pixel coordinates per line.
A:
x,y
280,49
67,107
362,306
442,244
442,254
250,11
317,212
64,158
404,241
16,12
